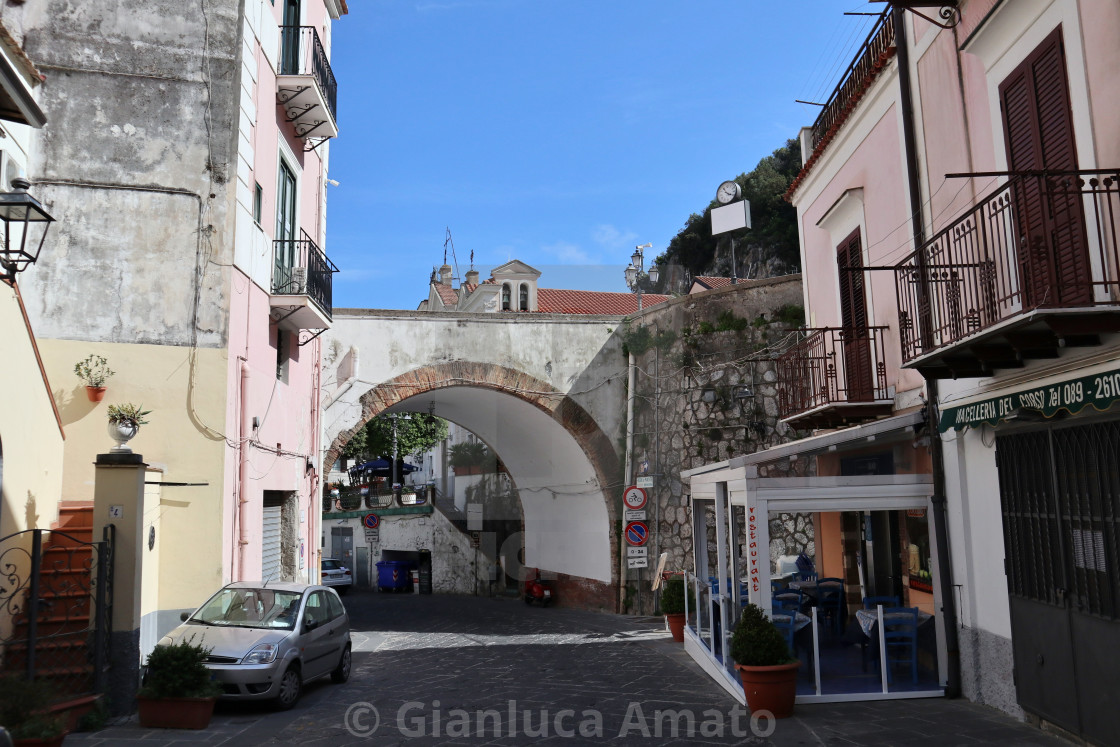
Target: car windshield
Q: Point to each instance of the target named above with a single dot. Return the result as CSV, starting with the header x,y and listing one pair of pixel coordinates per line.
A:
x,y
330,565
250,608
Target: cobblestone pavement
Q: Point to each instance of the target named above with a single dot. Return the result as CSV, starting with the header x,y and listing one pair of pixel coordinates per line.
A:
x,y
442,669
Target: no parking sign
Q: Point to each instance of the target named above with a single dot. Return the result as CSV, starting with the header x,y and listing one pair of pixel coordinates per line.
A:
x,y
637,533
371,521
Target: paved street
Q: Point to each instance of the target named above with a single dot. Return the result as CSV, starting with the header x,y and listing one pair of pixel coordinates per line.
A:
x,y
442,670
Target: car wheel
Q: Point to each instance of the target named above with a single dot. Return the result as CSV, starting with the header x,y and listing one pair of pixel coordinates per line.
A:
x,y
291,684
341,673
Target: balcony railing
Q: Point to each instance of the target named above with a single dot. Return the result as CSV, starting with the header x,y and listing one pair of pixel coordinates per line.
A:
x,y
833,376
869,62
302,56
301,268
1043,241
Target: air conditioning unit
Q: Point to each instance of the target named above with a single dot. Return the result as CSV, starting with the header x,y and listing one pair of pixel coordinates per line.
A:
x,y
299,280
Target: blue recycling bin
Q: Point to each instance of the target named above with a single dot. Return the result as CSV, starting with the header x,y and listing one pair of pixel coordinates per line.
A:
x,y
393,575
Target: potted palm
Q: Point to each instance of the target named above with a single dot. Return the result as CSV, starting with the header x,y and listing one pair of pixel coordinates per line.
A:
x,y
94,371
124,422
672,606
768,672
25,711
178,692
470,457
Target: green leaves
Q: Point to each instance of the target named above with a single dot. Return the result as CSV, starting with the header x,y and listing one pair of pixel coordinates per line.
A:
x,y
415,434
128,413
94,370
179,671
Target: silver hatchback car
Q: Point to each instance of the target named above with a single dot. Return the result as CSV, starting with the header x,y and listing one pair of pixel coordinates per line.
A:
x,y
266,640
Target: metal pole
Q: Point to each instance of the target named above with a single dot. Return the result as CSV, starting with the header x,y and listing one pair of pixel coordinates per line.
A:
x,y
33,598
734,277
940,528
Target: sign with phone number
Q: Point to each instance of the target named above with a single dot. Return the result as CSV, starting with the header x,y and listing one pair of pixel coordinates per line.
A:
x,y
1099,390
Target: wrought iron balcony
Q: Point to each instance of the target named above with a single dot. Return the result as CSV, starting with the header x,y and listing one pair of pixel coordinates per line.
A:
x,y
305,84
301,283
834,376
1033,267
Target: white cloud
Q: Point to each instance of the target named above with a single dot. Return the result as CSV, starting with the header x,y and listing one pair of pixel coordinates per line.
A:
x,y
610,237
567,253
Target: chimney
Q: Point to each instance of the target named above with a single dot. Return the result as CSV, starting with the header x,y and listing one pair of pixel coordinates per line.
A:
x,y
472,277
445,274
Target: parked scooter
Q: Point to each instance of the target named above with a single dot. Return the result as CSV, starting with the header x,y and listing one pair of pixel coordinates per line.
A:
x,y
537,590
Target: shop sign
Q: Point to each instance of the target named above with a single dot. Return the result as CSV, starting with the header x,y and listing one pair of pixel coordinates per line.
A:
x,y
1099,390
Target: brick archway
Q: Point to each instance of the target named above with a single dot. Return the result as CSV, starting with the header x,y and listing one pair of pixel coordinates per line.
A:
x,y
575,421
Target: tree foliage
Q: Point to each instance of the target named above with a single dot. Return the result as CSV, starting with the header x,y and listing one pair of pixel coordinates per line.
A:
x,y
773,236
415,434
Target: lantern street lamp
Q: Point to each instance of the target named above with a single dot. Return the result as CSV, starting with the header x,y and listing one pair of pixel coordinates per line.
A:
x,y
634,271
25,228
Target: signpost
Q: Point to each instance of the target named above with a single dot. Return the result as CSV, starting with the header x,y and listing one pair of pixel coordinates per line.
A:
x,y
645,481
637,563
632,515
371,521
637,552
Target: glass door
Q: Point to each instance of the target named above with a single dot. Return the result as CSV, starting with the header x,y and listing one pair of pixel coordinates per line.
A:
x,y
285,254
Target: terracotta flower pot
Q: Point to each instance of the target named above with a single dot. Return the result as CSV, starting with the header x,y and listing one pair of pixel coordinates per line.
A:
x,y
175,713
676,626
95,393
770,689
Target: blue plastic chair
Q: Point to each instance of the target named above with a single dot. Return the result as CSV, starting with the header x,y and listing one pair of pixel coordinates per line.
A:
x,y
900,632
793,598
830,601
785,620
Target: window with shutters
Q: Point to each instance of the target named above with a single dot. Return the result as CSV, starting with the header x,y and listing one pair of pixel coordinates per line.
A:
x,y
855,342
1052,255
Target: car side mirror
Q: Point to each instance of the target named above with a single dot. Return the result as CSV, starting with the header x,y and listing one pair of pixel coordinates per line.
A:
x,y
310,625
183,616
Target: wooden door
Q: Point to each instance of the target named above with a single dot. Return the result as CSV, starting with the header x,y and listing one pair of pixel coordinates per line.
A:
x,y
1053,258
855,339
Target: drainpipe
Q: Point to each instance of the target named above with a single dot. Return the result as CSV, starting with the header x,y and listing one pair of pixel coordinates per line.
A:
x,y
243,473
937,456
628,473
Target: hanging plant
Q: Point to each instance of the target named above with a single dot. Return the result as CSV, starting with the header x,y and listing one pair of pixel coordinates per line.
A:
x,y
94,371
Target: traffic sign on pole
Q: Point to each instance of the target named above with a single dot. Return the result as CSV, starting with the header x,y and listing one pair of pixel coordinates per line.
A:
x,y
371,521
637,533
634,497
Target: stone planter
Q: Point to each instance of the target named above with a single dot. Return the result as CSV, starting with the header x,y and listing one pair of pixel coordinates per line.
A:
x,y
122,433
770,689
175,713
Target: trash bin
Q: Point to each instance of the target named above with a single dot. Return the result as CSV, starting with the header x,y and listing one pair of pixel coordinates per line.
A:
x,y
425,571
392,575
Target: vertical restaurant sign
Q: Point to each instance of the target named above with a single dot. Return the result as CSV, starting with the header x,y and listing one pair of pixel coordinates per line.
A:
x,y
1100,390
752,546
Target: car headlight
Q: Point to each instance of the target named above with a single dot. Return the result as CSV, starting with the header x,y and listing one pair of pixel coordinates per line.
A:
x,y
263,653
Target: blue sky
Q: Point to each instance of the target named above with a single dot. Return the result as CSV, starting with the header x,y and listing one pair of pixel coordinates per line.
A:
x,y
558,132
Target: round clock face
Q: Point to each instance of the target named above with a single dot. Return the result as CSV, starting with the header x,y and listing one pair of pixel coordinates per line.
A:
x,y
727,192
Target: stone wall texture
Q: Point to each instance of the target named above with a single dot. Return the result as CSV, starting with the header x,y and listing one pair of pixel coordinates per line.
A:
x,y
705,391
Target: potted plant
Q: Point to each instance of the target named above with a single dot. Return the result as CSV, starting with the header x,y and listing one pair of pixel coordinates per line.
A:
x,y
94,371
469,457
672,606
768,672
177,692
25,712
124,422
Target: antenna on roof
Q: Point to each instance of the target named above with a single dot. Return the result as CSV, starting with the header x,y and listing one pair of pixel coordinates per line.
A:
x,y
472,259
447,240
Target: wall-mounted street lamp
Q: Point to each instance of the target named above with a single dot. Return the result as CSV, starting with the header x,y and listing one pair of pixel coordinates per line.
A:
x,y
634,271
25,228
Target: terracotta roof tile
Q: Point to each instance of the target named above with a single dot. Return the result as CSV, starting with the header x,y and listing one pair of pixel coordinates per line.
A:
x,y
447,294
710,282
555,301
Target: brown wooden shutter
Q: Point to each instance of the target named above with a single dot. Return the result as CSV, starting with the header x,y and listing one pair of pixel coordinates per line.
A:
x,y
853,318
1038,125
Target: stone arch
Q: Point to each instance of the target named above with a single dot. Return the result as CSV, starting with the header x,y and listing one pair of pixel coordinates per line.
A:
x,y
572,418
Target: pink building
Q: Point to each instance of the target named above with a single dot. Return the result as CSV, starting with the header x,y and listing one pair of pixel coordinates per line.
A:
x,y
186,162
958,217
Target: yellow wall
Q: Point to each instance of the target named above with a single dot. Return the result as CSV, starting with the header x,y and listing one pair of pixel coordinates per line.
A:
x,y
184,439
30,438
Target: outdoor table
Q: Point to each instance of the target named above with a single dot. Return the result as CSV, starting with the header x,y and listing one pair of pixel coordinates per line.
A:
x,y
800,622
869,618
